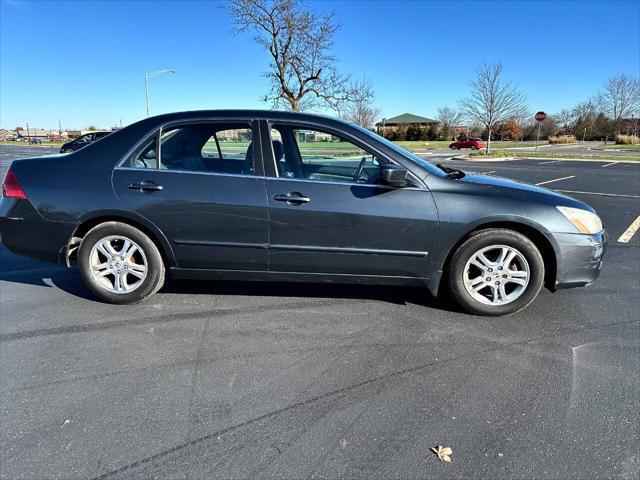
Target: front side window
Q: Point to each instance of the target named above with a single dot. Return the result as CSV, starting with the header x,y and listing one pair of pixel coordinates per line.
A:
x,y
199,147
323,156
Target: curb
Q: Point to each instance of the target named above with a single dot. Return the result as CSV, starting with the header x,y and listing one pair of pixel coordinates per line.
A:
x,y
509,159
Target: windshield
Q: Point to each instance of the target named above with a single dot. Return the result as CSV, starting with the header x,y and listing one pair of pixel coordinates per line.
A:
x,y
405,153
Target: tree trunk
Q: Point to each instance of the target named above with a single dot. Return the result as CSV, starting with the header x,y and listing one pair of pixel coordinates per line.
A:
x,y
486,150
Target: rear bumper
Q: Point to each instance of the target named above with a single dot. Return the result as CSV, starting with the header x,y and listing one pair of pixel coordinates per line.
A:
x,y
579,258
24,232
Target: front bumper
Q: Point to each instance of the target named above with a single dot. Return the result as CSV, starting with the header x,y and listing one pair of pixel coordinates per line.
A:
x,y
579,258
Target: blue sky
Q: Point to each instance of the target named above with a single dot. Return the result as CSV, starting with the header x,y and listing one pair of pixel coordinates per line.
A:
x,y
83,62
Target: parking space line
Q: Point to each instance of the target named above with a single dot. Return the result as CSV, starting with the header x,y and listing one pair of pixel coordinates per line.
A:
x,y
608,164
490,171
599,193
629,232
552,161
556,180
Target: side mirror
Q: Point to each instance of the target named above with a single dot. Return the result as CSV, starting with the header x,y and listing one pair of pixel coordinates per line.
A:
x,y
394,176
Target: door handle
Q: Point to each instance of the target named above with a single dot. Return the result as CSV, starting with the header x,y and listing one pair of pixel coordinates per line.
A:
x,y
145,186
292,198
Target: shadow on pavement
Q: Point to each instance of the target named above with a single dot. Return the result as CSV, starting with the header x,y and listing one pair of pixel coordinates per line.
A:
x,y
16,269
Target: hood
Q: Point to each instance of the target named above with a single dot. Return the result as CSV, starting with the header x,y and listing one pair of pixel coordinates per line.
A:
x,y
521,190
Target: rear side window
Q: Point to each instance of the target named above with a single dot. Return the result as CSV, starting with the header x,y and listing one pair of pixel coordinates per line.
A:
x,y
199,147
145,156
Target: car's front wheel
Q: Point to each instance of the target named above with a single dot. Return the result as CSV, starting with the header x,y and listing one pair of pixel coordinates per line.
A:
x,y
496,272
120,264
473,147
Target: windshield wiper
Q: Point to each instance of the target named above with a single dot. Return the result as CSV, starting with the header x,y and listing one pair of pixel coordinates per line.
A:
x,y
451,172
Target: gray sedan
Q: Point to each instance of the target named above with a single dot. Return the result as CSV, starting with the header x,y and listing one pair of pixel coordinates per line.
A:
x,y
278,196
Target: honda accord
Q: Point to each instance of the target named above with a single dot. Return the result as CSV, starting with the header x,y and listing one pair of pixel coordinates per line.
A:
x,y
262,195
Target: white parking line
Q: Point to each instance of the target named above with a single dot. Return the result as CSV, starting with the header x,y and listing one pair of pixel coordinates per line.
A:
x,y
556,180
599,193
629,232
552,161
491,171
608,164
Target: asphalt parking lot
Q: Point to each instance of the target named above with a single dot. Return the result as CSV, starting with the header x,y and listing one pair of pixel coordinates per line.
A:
x,y
249,380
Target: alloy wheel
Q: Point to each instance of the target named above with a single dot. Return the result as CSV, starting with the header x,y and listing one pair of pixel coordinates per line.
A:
x,y
118,264
496,275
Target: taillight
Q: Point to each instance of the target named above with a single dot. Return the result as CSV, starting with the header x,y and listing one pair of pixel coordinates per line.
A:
x,y
11,187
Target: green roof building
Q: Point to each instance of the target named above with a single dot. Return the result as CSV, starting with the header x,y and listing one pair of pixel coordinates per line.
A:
x,y
407,119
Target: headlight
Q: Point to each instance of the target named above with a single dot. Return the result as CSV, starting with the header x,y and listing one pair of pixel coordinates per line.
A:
x,y
583,220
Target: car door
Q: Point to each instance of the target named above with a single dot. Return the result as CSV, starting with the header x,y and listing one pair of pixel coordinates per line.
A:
x,y
204,191
324,219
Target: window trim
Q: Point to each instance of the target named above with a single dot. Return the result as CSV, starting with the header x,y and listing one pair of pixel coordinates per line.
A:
x,y
419,184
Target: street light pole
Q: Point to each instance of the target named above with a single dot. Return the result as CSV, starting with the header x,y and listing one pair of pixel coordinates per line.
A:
x,y
147,76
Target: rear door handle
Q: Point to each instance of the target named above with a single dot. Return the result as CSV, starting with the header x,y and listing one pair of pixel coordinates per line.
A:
x,y
292,198
145,186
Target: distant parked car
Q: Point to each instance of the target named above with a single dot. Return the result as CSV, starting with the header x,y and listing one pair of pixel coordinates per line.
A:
x,y
82,141
472,143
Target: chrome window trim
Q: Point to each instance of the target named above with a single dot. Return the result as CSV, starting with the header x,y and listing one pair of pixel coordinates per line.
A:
x,y
192,172
351,184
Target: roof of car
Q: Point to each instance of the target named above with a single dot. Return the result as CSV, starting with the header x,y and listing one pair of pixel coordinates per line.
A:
x,y
279,114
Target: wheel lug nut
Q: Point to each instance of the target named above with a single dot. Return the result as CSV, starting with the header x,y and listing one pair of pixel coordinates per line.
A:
x,y
491,269
497,283
504,276
488,279
499,268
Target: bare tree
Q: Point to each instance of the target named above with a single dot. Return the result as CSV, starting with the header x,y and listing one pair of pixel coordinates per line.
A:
x,y
449,116
492,100
619,98
566,118
449,119
302,72
360,107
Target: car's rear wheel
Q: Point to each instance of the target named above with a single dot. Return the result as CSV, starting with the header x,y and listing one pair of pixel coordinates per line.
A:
x,y
496,272
473,147
120,264
454,147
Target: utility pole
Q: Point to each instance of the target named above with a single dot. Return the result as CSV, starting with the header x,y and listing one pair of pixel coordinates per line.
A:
x,y
28,134
584,135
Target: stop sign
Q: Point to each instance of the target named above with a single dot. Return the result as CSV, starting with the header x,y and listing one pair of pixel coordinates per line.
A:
x,y
540,116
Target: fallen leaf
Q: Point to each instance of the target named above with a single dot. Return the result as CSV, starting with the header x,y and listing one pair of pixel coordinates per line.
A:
x,y
443,453
343,443
66,422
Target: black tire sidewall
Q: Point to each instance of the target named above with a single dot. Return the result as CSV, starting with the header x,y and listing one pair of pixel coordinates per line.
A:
x,y
155,265
487,238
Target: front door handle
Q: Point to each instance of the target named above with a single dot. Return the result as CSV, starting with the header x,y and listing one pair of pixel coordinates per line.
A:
x,y
145,186
292,198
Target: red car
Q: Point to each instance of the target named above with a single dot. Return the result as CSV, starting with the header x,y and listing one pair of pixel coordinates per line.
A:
x,y
472,143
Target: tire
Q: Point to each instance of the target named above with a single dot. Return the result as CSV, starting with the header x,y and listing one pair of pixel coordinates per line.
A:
x,y
473,147
467,275
134,271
